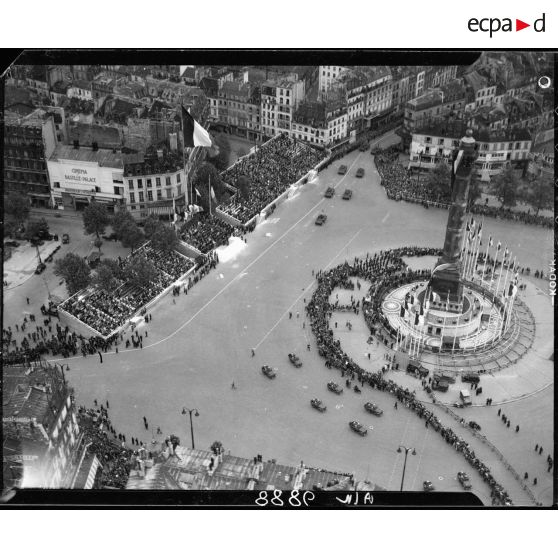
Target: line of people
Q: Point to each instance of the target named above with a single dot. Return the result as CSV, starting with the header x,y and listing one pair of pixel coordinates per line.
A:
x,y
384,269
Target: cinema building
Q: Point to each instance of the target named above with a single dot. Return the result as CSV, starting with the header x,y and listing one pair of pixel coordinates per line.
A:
x,y
79,175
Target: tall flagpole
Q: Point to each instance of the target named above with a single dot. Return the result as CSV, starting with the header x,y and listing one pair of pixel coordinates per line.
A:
x,y
209,193
501,270
486,259
479,244
507,271
499,245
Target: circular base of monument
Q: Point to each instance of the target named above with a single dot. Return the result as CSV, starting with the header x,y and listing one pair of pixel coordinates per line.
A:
x,y
482,336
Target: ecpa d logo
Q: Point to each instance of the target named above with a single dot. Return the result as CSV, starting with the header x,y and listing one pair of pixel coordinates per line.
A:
x,y
495,24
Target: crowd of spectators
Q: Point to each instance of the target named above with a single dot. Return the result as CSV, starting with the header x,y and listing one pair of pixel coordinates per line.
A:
x,y
105,312
400,185
506,213
206,232
385,269
115,458
49,338
271,170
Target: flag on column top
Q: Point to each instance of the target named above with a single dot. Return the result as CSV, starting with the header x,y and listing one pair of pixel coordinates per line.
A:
x,y
194,134
498,247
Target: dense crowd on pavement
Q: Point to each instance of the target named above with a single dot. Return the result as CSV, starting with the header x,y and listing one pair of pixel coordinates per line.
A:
x,y
110,448
206,232
383,270
401,185
506,213
106,312
29,341
271,170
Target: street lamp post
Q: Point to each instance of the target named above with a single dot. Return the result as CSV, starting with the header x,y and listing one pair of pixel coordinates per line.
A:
x,y
197,414
407,450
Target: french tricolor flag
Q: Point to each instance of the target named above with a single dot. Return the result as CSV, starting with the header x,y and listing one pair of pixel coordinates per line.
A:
x,y
194,134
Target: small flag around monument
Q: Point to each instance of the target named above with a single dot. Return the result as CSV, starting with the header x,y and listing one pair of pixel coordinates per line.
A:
x,y
194,134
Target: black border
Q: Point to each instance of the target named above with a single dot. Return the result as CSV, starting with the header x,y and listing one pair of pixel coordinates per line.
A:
x,y
133,499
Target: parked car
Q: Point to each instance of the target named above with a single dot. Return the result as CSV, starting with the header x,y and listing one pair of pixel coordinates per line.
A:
x,y
295,360
417,369
65,238
470,378
268,371
347,194
360,172
321,219
330,192
440,385
373,408
342,169
12,243
358,428
336,388
318,404
465,397
40,268
464,481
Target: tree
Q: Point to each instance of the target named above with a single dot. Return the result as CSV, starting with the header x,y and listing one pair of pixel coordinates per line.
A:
x,y
95,219
17,206
74,270
149,225
98,243
475,191
220,152
164,238
119,220
505,187
539,194
36,230
140,272
131,235
439,179
106,278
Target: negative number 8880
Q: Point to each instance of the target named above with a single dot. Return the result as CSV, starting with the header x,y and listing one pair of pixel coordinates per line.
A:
x,y
265,499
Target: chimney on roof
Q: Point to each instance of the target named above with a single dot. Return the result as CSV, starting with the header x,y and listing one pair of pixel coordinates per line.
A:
x,y
95,146
76,144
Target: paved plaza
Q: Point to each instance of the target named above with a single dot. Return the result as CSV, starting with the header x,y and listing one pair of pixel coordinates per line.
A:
x,y
196,348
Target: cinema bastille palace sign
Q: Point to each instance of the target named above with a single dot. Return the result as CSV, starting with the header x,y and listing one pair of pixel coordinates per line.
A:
x,y
79,179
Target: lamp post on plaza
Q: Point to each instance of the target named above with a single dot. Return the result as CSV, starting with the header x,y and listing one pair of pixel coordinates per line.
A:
x,y
197,414
407,450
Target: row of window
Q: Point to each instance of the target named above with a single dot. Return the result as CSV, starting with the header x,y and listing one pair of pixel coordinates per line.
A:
x,y
29,177
141,197
149,181
486,146
23,164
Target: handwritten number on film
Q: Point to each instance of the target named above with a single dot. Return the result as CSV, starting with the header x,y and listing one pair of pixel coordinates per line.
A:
x,y
277,499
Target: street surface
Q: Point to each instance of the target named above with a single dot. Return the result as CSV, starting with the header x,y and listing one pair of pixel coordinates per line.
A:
x,y
198,347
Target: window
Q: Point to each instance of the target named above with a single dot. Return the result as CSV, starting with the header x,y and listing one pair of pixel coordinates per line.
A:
x,y
133,207
140,183
157,181
159,195
178,178
428,140
149,195
140,197
168,193
57,184
149,182
440,141
132,197
167,180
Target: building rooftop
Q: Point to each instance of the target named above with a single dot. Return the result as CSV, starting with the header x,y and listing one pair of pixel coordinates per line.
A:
x,y
190,470
106,137
81,84
456,129
36,394
105,157
149,163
